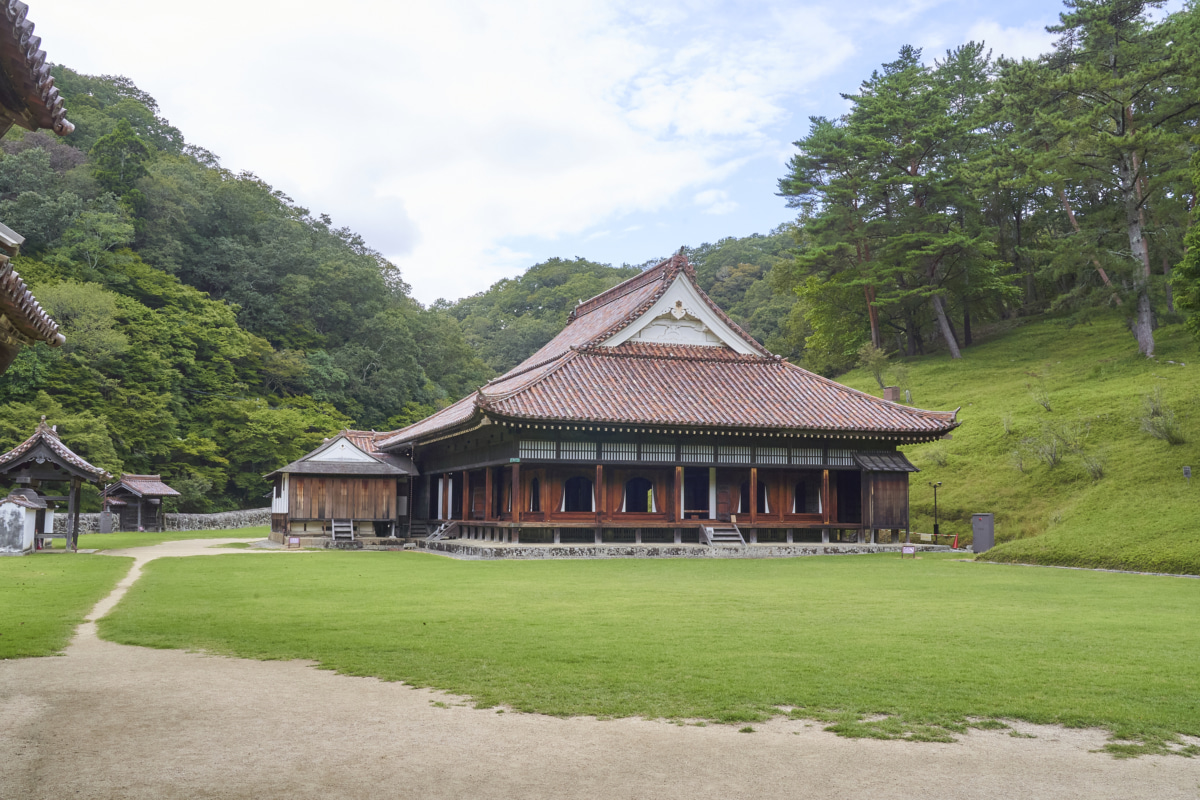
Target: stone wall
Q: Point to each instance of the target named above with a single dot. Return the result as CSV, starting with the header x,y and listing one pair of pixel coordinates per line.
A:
x,y
478,550
90,523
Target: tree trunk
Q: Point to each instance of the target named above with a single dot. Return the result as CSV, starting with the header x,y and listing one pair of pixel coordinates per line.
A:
x,y
1167,275
873,313
939,309
967,339
1143,326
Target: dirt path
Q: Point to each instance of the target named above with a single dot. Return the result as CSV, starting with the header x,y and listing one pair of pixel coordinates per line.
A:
x,y
110,721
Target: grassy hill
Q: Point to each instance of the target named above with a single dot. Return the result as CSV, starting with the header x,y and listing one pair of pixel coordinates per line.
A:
x,y
1079,396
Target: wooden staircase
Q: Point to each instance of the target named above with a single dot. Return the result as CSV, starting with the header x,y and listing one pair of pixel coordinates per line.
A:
x,y
727,534
343,530
443,531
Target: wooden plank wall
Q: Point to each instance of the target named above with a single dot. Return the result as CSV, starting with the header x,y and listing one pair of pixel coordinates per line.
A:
x,y
342,498
889,500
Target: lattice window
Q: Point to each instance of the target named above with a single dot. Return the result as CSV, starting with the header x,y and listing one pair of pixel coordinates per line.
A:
x,y
808,456
841,458
730,454
536,448
771,455
658,452
619,451
696,454
577,451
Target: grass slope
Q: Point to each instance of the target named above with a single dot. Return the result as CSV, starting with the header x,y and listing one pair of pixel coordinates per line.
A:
x,y
932,643
1139,515
45,596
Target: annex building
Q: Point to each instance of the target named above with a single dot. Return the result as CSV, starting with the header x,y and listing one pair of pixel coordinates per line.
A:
x,y
652,417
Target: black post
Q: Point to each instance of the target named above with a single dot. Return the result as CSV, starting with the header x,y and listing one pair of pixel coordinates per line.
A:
x,y
936,531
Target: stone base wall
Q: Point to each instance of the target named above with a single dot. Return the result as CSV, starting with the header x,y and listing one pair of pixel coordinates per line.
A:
x,y
252,518
473,550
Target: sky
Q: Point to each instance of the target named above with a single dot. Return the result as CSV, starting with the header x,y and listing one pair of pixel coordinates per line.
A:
x,y
467,141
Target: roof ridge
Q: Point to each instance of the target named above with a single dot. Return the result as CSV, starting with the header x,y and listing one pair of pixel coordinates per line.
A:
x,y
668,267
616,352
517,373
484,399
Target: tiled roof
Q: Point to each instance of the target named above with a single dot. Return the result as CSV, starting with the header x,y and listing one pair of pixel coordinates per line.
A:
x,y
575,377
26,498
48,436
363,440
21,310
697,389
31,100
884,462
384,464
145,486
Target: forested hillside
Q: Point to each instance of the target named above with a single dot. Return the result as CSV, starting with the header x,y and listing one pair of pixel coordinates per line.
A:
x,y
214,328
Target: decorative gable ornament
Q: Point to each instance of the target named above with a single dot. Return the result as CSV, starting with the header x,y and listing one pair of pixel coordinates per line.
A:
x,y
681,316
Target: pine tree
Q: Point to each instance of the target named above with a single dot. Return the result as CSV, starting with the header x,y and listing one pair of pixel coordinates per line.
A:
x,y
1121,92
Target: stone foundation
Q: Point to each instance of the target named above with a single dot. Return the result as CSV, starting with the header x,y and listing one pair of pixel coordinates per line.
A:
x,y
477,550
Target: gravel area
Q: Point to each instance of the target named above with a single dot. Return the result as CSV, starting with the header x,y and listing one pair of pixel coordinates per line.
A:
x,y
111,721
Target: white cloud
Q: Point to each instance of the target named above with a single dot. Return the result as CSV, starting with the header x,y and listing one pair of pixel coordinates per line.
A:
x,y
440,130
715,201
459,136
1026,41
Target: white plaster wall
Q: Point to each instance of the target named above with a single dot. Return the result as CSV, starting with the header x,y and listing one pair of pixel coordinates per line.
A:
x,y
279,505
16,532
342,450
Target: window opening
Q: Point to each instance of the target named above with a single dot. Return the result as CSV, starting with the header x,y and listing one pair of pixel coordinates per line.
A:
x,y
744,499
535,495
806,497
578,495
639,497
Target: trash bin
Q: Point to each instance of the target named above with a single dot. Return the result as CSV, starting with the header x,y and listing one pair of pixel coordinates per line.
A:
x,y
983,532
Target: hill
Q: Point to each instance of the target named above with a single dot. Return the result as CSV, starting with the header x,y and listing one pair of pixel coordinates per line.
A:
x,y
215,329
1055,441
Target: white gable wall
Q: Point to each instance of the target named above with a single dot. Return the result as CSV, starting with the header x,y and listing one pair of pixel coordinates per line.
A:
x,y
279,505
341,450
682,317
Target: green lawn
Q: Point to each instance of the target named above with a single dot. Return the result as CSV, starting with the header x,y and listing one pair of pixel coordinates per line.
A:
x,y
933,643
119,541
1137,514
44,597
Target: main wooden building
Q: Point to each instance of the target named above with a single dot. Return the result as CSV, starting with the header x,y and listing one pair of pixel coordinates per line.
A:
x,y
652,417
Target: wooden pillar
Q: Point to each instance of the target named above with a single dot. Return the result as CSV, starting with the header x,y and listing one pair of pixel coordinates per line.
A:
x,y
466,495
678,494
601,493
753,495
516,492
488,490
446,494
72,514
825,499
